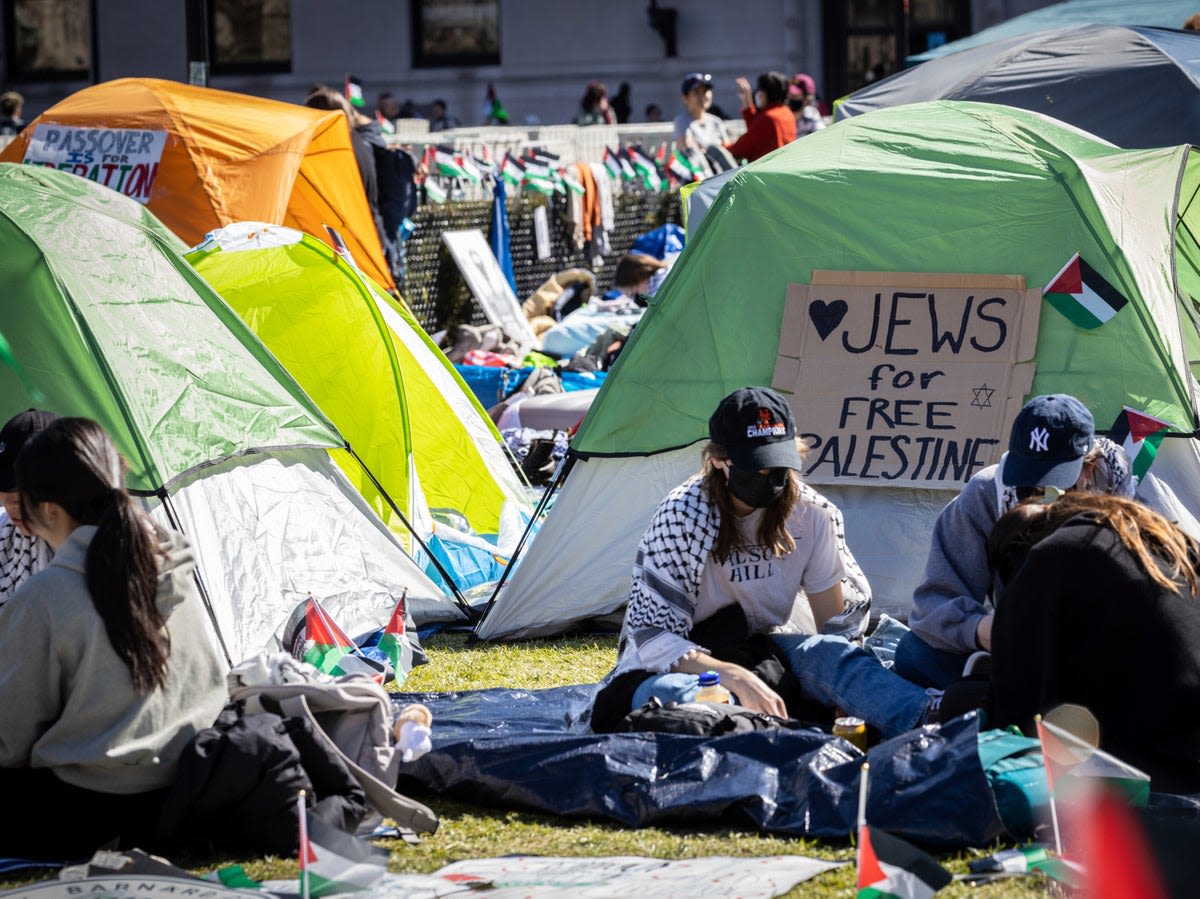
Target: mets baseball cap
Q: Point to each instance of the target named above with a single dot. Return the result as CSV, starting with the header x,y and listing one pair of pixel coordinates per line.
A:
x,y
757,429
13,435
1049,439
693,80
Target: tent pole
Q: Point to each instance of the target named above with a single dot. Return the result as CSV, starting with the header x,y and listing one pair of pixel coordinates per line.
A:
x,y
458,597
165,498
564,468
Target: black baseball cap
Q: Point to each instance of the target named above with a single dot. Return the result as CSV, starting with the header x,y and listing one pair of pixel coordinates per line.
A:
x,y
13,435
756,427
693,80
1049,439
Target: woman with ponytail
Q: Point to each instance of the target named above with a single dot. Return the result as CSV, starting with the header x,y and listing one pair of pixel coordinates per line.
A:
x,y
109,669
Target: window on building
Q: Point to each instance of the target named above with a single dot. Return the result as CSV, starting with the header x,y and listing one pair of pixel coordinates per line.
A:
x,y
47,39
247,36
455,32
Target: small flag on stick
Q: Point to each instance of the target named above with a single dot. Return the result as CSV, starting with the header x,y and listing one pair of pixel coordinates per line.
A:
x,y
1080,293
889,867
332,861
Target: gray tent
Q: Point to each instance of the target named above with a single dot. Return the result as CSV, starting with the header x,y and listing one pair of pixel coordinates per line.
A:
x,y
1159,13
1134,86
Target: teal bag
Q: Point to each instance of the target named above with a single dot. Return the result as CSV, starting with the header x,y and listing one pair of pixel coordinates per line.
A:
x,y
1016,773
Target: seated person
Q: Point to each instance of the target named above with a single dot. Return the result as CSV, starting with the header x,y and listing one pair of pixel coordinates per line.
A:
x,y
623,305
747,536
1100,607
1052,443
22,555
109,669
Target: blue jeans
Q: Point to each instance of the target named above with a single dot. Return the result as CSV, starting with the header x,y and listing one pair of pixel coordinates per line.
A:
x,y
926,665
832,671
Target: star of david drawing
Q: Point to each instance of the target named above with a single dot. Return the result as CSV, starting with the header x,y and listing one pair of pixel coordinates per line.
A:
x,y
983,396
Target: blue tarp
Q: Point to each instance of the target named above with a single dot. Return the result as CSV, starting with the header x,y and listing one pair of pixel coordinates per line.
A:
x,y
529,750
491,384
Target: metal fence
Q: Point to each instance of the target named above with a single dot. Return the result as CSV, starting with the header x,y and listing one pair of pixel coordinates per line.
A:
x,y
438,294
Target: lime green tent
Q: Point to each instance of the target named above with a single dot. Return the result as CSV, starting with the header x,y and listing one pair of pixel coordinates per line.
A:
x,y
421,434
963,189
109,322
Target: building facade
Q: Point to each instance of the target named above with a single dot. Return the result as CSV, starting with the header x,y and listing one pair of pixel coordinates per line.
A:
x,y
538,54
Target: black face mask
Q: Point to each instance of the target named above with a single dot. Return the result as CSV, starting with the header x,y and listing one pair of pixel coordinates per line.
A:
x,y
757,490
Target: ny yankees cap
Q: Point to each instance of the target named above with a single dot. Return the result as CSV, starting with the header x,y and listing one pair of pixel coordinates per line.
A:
x,y
757,429
1049,439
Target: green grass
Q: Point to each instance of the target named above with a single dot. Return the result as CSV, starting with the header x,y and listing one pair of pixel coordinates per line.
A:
x,y
469,831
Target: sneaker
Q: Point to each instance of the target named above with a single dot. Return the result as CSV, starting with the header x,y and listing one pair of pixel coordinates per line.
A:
x,y
933,711
979,664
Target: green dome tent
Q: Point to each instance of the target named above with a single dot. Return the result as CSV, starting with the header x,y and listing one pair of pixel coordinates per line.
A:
x,y
109,322
782,276
423,438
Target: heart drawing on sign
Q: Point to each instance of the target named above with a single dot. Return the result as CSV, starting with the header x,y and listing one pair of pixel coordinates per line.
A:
x,y
827,316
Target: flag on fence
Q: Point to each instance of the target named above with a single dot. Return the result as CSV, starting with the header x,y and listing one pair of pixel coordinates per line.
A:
x,y
327,648
1080,293
891,867
611,163
447,162
538,175
470,171
1067,756
683,168
644,165
434,192
512,171
568,178
483,161
1140,436
332,861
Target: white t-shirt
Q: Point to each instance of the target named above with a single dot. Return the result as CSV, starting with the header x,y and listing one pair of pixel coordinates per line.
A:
x,y
767,588
705,131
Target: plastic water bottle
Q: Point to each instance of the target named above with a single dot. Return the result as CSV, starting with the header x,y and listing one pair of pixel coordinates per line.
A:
x,y
711,689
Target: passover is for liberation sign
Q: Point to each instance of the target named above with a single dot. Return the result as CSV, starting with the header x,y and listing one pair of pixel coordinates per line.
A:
x,y
124,159
903,378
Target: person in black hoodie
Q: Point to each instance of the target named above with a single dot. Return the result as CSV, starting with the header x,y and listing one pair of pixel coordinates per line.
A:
x,y
1100,608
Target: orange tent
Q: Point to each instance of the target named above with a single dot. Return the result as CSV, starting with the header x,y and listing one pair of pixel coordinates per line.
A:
x,y
201,159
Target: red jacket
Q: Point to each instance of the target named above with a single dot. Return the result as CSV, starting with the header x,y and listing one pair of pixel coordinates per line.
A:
x,y
767,129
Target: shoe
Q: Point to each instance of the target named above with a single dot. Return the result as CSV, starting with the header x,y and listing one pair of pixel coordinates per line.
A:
x,y
979,664
933,711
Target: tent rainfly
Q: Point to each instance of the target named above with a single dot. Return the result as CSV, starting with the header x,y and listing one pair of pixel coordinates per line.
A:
x,y
109,322
201,158
887,272
422,441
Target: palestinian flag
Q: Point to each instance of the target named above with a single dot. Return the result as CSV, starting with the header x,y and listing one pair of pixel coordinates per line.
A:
x,y
644,165
385,124
332,861
484,161
394,643
568,178
354,92
1070,759
1120,859
1082,295
512,171
611,163
327,648
1140,435
469,169
447,162
890,867
683,169
434,192
494,112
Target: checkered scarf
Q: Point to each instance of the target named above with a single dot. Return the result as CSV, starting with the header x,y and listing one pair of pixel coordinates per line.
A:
x,y
21,557
667,570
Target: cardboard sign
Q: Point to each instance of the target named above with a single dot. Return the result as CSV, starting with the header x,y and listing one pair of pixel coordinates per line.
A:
x,y
478,264
906,378
125,159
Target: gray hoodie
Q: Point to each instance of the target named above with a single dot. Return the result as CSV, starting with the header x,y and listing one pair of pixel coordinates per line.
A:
x,y
66,698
